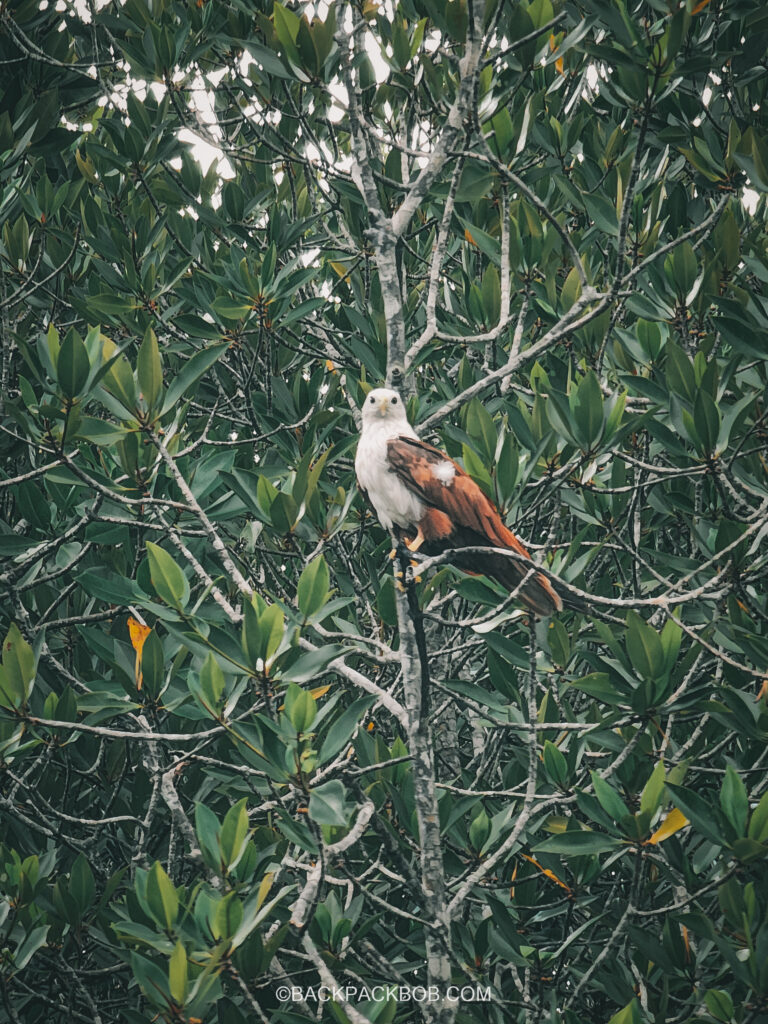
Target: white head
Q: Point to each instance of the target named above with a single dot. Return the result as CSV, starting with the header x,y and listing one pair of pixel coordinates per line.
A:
x,y
385,406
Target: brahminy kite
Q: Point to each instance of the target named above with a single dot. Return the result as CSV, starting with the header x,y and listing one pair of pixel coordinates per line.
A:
x,y
425,498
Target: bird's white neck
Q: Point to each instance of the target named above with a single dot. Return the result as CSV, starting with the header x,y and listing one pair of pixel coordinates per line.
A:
x,y
379,431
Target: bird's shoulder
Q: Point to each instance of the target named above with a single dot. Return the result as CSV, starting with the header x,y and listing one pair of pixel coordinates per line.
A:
x,y
404,447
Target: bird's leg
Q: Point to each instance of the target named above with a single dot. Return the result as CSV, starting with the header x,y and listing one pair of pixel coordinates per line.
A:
x,y
413,546
400,551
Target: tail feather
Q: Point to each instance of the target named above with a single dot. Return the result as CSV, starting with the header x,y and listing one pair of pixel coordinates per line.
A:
x,y
536,593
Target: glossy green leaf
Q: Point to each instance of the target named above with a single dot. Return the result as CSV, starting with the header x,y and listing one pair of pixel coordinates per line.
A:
x,y
168,580
328,803
300,707
578,844
161,897
734,800
233,834
73,366
149,370
644,647
312,590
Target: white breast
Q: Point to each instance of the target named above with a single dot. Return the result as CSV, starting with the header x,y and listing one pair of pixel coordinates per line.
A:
x,y
393,502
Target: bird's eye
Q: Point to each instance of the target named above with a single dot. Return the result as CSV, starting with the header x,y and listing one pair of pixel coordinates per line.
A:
x,y
394,401
372,400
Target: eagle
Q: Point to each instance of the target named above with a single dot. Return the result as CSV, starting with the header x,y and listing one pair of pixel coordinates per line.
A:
x,y
426,499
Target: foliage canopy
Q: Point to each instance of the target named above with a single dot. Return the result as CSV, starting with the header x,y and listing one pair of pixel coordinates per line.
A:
x,y
222,768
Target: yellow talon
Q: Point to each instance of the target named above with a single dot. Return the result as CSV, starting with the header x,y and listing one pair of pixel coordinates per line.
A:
x,y
418,540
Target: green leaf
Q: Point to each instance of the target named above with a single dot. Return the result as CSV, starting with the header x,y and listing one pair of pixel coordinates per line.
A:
x,y
271,628
228,309
153,981
191,372
629,1015
81,884
312,591
653,791
609,799
758,823
300,707
177,974
283,512
153,664
168,580
555,764
118,379
99,432
697,811
251,639
480,428
234,834
559,643
17,671
706,419
685,267
586,404
207,830
491,294
680,376
671,638
73,365
29,945
228,917
342,731
149,370
328,803
734,800
212,681
578,843
571,289
479,830
719,1004
161,897
646,654
599,685
311,665
507,468
751,155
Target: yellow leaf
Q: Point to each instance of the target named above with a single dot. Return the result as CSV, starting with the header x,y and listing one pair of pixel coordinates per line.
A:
x,y
673,822
87,167
264,887
700,7
319,691
340,269
545,871
469,237
138,633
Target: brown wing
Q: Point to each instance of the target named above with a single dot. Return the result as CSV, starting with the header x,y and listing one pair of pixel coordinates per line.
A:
x,y
470,519
462,500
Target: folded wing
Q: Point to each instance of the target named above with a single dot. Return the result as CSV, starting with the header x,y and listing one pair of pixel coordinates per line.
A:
x,y
469,519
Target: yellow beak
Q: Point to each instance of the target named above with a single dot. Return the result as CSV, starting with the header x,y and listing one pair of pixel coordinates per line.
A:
x,y
383,405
